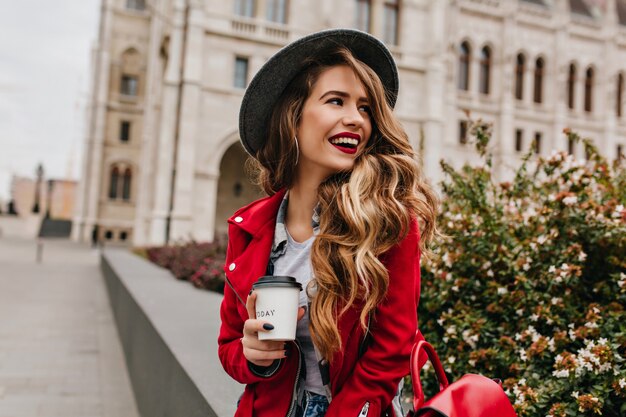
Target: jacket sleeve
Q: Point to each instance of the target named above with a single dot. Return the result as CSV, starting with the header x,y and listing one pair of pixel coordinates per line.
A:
x,y
230,349
378,372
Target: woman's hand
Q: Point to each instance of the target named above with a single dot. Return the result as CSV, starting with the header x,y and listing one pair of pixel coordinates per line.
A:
x,y
261,352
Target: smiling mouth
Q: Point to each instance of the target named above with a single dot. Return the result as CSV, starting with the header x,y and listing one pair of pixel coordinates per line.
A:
x,y
343,142
346,142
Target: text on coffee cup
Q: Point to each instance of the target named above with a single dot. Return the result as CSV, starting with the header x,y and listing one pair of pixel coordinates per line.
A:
x,y
265,313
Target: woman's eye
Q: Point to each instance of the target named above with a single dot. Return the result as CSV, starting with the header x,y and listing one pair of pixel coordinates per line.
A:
x,y
365,109
336,100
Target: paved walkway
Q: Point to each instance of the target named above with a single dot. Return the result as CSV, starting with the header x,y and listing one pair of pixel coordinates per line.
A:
x,y
59,350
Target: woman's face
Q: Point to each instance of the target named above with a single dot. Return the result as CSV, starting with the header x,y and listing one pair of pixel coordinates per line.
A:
x,y
335,124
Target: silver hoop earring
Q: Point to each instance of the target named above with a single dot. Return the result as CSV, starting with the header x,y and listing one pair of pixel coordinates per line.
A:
x,y
295,138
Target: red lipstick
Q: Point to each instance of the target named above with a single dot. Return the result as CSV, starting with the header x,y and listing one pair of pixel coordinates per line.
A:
x,y
346,146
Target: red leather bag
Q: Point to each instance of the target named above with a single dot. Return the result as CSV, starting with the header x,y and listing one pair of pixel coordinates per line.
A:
x,y
471,396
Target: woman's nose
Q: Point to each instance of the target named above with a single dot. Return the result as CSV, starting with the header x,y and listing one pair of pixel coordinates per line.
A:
x,y
353,117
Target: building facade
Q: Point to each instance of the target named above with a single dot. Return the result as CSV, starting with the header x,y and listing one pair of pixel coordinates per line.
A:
x,y
162,161
56,197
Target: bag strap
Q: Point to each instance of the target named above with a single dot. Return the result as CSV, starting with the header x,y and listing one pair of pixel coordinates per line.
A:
x,y
418,392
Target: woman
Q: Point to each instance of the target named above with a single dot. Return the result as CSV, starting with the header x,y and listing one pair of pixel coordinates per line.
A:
x,y
345,200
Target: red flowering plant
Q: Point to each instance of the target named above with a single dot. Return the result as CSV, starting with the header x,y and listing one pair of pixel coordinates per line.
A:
x,y
198,262
529,282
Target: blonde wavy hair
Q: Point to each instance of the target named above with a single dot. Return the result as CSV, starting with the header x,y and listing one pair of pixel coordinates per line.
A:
x,y
364,212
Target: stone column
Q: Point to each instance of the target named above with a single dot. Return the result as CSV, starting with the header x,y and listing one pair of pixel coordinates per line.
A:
x,y
150,132
434,132
607,75
167,128
205,204
377,16
503,138
93,169
181,216
557,138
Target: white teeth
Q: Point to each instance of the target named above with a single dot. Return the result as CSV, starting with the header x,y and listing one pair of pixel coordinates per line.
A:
x,y
347,141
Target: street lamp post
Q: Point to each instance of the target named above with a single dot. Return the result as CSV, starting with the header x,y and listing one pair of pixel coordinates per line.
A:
x,y
49,199
39,172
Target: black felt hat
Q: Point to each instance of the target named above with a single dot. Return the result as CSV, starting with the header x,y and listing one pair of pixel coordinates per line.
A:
x,y
269,83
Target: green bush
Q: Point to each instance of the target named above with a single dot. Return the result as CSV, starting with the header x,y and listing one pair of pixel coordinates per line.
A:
x,y
529,282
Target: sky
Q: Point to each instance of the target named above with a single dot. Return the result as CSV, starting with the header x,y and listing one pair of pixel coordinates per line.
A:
x,y
45,53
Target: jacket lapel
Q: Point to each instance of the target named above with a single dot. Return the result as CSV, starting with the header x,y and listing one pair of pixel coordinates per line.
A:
x,y
251,234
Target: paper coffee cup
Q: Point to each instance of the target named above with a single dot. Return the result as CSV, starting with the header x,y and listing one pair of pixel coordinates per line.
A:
x,y
277,300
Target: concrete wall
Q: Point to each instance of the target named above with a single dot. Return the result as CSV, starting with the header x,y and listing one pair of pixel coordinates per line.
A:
x,y
168,331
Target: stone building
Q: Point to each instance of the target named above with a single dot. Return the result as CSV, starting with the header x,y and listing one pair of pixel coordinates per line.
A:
x,y
162,160
56,197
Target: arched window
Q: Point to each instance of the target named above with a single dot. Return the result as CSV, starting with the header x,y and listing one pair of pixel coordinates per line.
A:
x,y
571,86
539,70
520,68
485,70
620,94
465,55
126,185
589,90
113,181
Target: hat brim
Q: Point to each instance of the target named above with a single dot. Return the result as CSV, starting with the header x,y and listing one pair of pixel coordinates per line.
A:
x,y
272,79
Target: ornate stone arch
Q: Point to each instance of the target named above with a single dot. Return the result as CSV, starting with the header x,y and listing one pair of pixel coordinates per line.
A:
x,y
214,159
225,166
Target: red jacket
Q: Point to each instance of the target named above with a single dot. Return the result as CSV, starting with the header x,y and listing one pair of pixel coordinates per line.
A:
x,y
372,378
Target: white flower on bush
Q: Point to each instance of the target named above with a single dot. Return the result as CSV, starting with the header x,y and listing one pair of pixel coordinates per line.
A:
x,y
529,213
534,334
490,273
622,383
470,339
542,239
570,200
555,300
520,397
526,266
582,256
561,373
551,344
502,290
552,269
618,211
451,359
519,312
451,330
522,355
622,280
534,317
588,361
